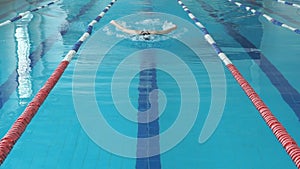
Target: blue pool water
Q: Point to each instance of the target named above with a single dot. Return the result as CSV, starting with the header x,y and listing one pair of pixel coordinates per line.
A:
x,y
165,103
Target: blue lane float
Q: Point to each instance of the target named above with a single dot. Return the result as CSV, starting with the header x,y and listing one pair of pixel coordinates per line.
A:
x,y
88,32
288,3
21,15
269,18
206,34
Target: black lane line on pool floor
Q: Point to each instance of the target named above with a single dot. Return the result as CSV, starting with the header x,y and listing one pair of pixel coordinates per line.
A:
x,y
289,94
11,84
148,83
149,129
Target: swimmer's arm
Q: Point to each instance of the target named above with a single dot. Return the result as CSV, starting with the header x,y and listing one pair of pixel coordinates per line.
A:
x,y
166,31
129,31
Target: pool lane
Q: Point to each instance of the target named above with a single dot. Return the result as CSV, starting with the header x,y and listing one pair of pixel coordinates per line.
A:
x,y
10,85
289,94
148,104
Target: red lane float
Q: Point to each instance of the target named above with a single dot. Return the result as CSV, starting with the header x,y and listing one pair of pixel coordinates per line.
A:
x,y
15,132
277,128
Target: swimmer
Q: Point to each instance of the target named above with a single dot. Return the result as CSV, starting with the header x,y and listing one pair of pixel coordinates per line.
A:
x,y
146,34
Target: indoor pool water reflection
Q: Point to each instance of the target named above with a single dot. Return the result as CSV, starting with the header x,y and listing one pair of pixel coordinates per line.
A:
x,y
124,102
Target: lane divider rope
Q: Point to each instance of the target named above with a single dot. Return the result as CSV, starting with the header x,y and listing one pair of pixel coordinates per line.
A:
x,y
288,143
269,18
19,126
21,15
288,3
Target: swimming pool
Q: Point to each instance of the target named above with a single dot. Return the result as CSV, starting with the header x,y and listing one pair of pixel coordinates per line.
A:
x,y
174,85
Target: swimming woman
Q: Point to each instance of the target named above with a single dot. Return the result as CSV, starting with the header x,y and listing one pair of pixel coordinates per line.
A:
x,y
146,34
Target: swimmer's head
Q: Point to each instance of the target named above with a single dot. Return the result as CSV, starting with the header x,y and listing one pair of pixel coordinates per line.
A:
x,y
145,35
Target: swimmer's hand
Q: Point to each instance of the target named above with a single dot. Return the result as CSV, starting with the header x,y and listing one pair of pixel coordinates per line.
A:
x,y
113,22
